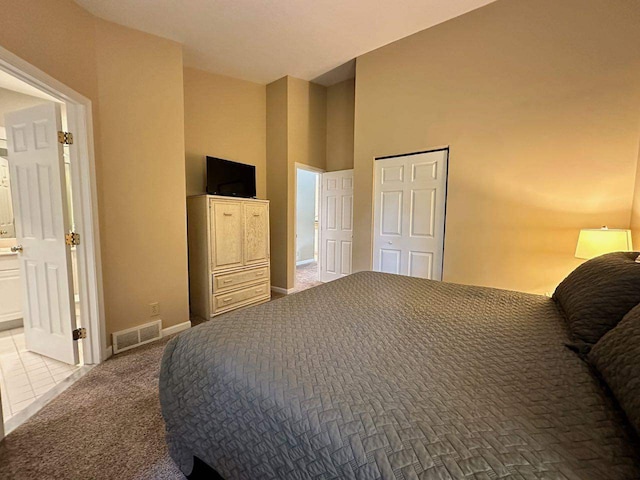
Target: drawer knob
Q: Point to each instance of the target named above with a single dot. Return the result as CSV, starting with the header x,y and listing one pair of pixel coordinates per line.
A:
x,y
228,299
228,214
228,280
259,274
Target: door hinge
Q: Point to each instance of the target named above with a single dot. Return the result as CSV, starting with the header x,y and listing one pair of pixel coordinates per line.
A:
x,y
72,238
65,138
79,333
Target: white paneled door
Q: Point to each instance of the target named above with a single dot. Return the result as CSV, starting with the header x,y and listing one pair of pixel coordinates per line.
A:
x,y
336,222
409,209
39,201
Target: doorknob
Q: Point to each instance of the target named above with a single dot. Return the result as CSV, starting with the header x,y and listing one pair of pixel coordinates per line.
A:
x,y
16,248
390,243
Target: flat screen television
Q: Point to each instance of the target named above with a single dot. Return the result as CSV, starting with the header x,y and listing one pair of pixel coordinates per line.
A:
x,y
230,179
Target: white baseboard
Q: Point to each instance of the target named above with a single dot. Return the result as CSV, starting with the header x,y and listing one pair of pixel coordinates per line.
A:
x,y
108,352
305,262
176,328
283,291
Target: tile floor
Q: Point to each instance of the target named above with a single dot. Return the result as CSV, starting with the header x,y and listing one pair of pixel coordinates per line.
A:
x,y
26,376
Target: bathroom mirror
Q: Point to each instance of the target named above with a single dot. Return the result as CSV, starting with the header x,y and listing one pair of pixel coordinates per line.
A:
x,y
7,228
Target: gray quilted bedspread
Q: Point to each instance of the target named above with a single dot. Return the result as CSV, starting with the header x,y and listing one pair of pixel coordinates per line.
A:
x,y
377,376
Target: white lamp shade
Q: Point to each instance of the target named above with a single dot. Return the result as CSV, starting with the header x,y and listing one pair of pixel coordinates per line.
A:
x,y
593,242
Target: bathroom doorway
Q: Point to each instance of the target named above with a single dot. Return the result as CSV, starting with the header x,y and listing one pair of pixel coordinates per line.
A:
x,y
51,321
26,376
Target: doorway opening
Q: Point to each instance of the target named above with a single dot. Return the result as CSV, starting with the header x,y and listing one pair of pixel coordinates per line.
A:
x,y
51,317
26,377
307,227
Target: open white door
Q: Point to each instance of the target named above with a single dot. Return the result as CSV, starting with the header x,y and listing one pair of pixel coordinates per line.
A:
x,y
39,200
336,220
409,214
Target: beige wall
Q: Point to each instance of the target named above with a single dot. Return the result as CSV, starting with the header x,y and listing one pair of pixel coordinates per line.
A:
x,y
307,103
271,127
635,210
56,36
340,117
278,179
143,214
226,118
540,103
307,137
139,146
296,133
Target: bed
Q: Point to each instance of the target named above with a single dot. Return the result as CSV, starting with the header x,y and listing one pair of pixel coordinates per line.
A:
x,y
378,376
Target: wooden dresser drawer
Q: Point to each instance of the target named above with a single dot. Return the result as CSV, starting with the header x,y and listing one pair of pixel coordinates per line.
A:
x,y
231,281
237,298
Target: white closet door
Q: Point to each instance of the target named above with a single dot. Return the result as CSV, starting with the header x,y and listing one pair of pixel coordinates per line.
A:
x,y
409,211
336,222
41,217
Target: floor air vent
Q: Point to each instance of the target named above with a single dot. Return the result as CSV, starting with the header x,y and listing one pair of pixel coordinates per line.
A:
x,y
136,336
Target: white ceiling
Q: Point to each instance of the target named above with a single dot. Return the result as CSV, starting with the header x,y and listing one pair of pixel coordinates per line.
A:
x,y
16,95
10,101
264,40
9,82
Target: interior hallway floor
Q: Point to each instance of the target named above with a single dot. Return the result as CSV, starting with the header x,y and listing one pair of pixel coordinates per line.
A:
x,y
307,276
25,376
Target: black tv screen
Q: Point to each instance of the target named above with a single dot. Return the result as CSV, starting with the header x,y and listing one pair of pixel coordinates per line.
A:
x,y
230,179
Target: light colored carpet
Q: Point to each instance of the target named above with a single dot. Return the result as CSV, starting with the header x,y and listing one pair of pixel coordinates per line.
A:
x,y
106,426
307,276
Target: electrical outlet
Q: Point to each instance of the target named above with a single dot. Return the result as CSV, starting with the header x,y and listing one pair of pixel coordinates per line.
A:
x,y
154,309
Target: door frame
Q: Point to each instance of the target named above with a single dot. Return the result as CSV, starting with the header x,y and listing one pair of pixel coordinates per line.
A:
x,y
318,171
85,199
446,148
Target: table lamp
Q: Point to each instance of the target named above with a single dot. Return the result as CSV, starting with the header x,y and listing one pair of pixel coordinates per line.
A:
x,y
593,242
